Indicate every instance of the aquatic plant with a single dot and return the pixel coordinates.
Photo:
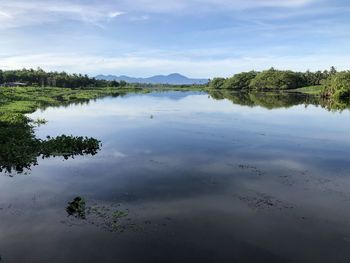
(105, 217)
(77, 207)
(20, 149)
(40, 122)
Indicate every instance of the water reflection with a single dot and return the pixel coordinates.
(205, 180)
(274, 100)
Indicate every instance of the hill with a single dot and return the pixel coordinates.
(172, 79)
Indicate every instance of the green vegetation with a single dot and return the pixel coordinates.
(273, 79)
(19, 148)
(338, 87)
(312, 90)
(329, 84)
(107, 217)
(273, 100)
(17, 101)
(276, 80)
(269, 100)
(119, 214)
(60, 87)
(68, 146)
(38, 77)
(217, 83)
(77, 208)
(240, 81)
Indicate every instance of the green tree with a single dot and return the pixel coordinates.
(338, 86)
(39, 78)
(217, 83)
(273, 79)
(240, 81)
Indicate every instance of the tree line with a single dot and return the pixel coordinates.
(38, 77)
(272, 79)
(335, 84)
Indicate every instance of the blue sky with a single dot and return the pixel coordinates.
(198, 38)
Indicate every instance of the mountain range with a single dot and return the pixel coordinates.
(172, 79)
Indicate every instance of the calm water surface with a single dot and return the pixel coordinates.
(198, 180)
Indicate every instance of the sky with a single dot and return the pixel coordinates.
(197, 38)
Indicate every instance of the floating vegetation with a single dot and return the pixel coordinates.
(251, 168)
(119, 214)
(77, 207)
(69, 146)
(39, 122)
(111, 218)
(20, 149)
(102, 216)
(108, 218)
(261, 201)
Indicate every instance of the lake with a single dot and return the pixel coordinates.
(186, 177)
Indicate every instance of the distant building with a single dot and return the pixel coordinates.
(13, 84)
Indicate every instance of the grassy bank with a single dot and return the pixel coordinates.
(16, 101)
(312, 90)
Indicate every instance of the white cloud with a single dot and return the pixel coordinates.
(194, 6)
(283, 3)
(24, 13)
(4, 15)
(115, 14)
(103, 55)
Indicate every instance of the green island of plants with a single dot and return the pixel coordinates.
(20, 149)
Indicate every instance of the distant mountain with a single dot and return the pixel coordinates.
(172, 79)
